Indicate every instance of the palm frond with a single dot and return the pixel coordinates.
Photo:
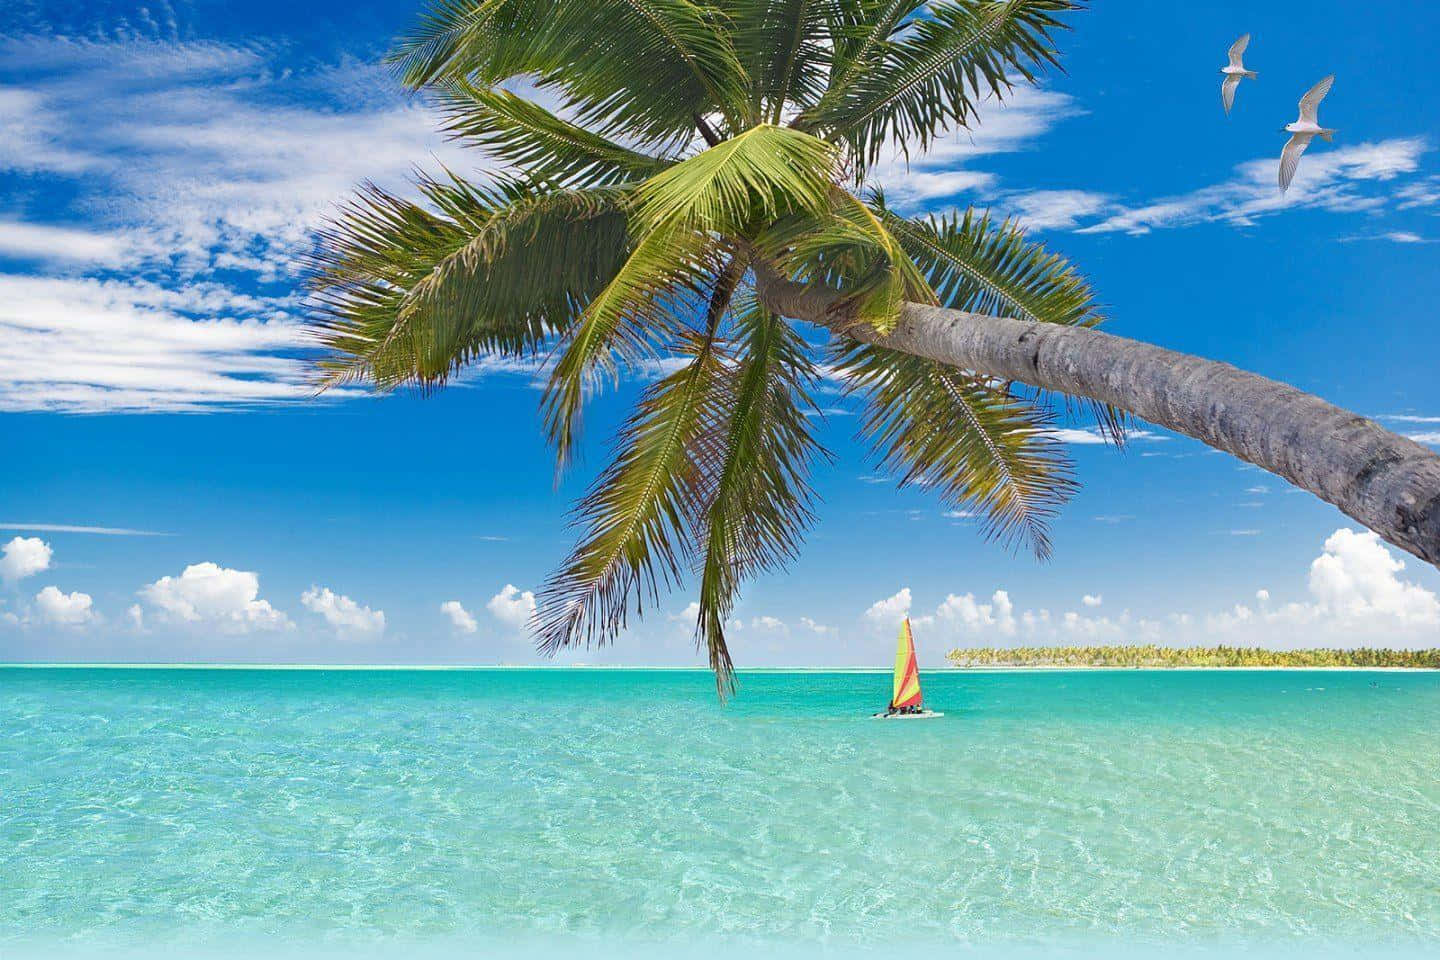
(637, 514)
(645, 67)
(979, 448)
(765, 172)
(661, 280)
(933, 75)
(786, 46)
(760, 501)
(980, 267)
(520, 132)
(861, 41)
(407, 293)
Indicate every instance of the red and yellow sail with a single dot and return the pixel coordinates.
(907, 671)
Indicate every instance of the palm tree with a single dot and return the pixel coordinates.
(688, 177)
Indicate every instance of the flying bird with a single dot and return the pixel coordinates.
(1234, 72)
(1304, 130)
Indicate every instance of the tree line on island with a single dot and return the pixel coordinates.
(1220, 656)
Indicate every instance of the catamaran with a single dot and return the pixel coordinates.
(906, 703)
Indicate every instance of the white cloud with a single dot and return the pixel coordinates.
(1335, 180)
(884, 613)
(965, 614)
(690, 614)
(202, 168)
(512, 606)
(85, 345)
(214, 597)
(460, 618)
(1055, 209)
(1432, 437)
(1026, 114)
(1092, 600)
(74, 528)
(349, 618)
(23, 557)
(33, 241)
(1355, 578)
(814, 627)
(64, 609)
(1422, 193)
(1089, 436)
(1355, 597)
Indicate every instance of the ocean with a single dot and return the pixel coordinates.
(499, 812)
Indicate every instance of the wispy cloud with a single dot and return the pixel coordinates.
(1056, 209)
(1339, 180)
(1091, 436)
(1392, 236)
(31, 241)
(78, 528)
(946, 170)
(202, 170)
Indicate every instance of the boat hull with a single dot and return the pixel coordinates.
(923, 715)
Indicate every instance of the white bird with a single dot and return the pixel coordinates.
(1304, 130)
(1234, 72)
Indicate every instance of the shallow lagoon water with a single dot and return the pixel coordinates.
(390, 811)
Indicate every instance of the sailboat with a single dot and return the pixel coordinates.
(907, 703)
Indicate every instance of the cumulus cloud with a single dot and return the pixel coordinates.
(884, 613)
(64, 609)
(1356, 596)
(24, 557)
(213, 597)
(512, 606)
(1092, 600)
(460, 618)
(345, 615)
(773, 624)
(690, 614)
(1356, 578)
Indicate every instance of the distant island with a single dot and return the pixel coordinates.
(1153, 656)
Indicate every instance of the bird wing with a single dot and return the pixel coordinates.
(1310, 103)
(1290, 157)
(1237, 50)
(1227, 90)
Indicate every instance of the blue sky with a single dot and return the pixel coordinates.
(160, 166)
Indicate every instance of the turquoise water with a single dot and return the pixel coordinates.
(625, 810)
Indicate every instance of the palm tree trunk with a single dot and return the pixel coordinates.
(1385, 481)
